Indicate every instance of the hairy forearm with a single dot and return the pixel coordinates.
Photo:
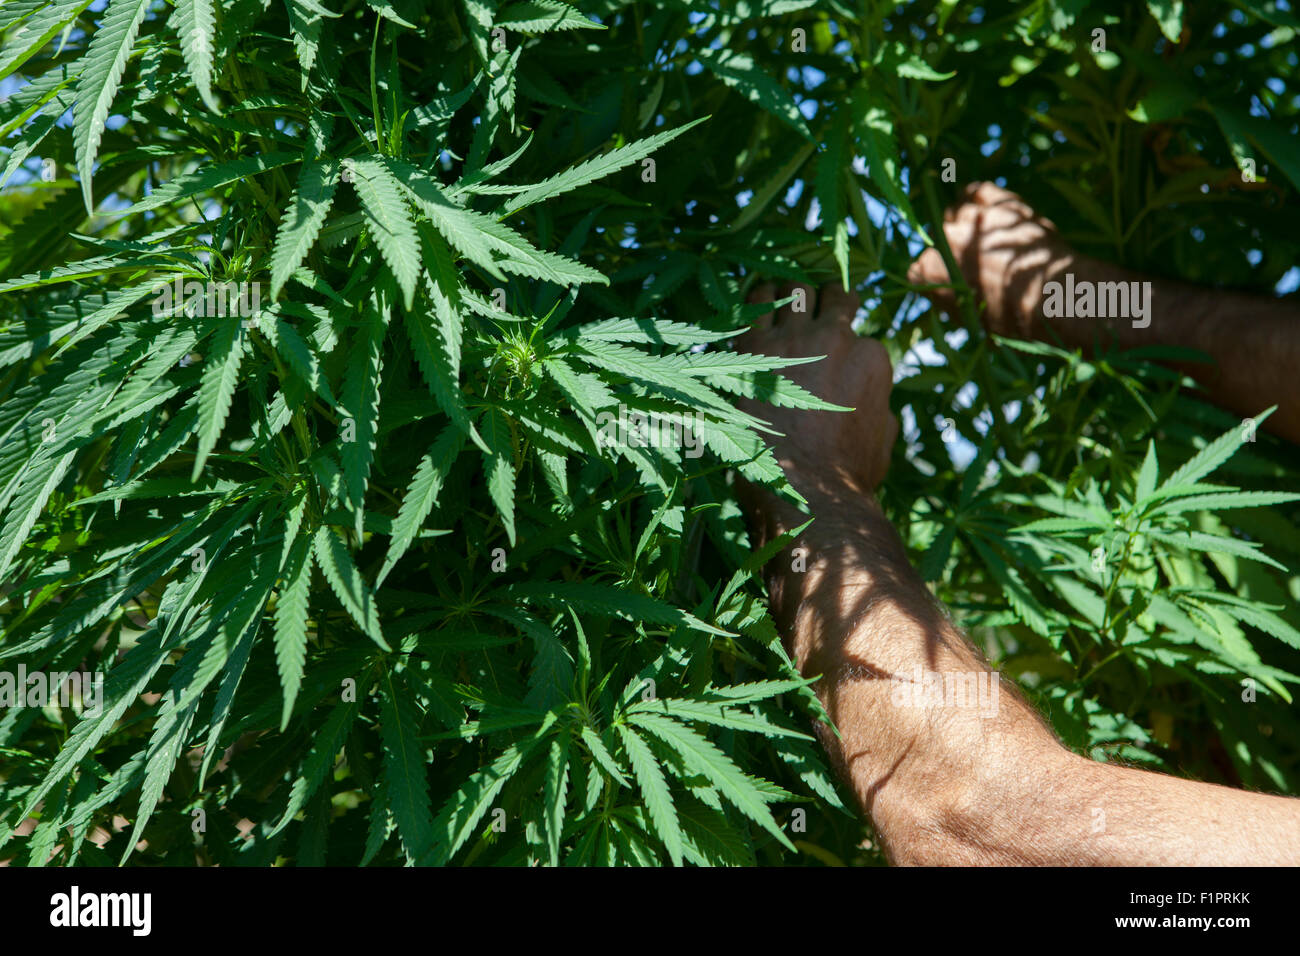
(859, 615)
(1253, 341)
(970, 773)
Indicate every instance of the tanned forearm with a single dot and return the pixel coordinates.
(974, 776)
(947, 782)
(1008, 256)
(1254, 341)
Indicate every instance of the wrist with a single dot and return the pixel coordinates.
(843, 581)
(1056, 306)
(830, 500)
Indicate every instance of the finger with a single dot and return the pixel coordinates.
(1046, 223)
(967, 214)
(928, 269)
(763, 292)
(991, 194)
(803, 307)
(837, 303)
(963, 240)
(957, 211)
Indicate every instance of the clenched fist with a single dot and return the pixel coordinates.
(824, 449)
(1006, 254)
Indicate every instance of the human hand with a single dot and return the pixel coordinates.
(825, 450)
(1006, 254)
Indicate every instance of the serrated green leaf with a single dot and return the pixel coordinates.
(1200, 541)
(195, 25)
(500, 468)
(1224, 500)
(658, 798)
(388, 221)
(25, 40)
(731, 715)
(600, 753)
(361, 390)
(217, 388)
(556, 795)
(110, 48)
(405, 778)
(455, 824)
(291, 612)
(345, 580)
(301, 223)
(325, 745)
(422, 494)
(704, 758)
(741, 73)
(605, 599)
(207, 178)
(597, 168)
(543, 16)
(1210, 457)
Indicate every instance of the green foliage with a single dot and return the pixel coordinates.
(365, 581)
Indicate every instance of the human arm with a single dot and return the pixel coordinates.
(1007, 255)
(945, 783)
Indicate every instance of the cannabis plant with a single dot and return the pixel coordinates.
(341, 339)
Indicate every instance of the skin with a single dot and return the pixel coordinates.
(942, 784)
(1007, 254)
